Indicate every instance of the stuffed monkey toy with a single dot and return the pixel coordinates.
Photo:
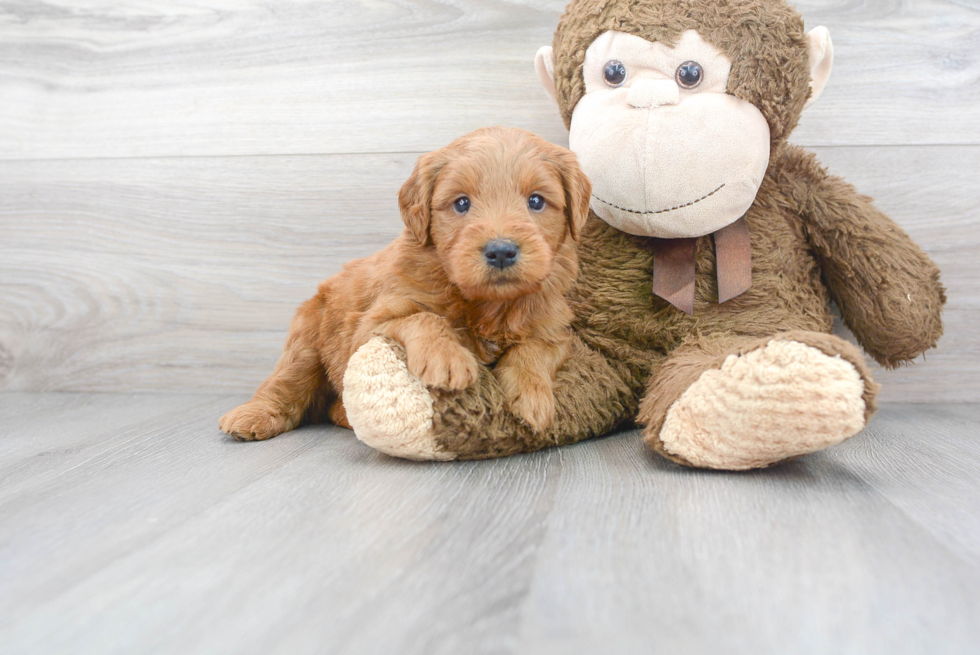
(711, 256)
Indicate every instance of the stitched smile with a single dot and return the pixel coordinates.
(659, 211)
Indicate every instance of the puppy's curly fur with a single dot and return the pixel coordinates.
(435, 291)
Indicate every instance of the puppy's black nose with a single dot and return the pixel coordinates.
(501, 253)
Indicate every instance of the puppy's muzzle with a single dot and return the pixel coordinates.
(501, 253)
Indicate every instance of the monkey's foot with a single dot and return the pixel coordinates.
(388, 407)
(778, 401)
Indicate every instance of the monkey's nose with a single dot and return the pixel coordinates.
(648, 94)
(501, 253)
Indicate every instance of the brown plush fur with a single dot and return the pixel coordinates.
(814, 239)
(433, 291)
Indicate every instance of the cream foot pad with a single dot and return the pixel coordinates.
(388, 407)
(779, 401)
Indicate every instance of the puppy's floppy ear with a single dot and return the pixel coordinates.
(578, 192)
(415, 197)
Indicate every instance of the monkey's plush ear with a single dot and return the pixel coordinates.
(415, 198)
(821, 61)
(544, 63)
(578, 194)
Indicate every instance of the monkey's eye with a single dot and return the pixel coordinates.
(535, 203)
(689, 74)
(614, 73)
(461, 205)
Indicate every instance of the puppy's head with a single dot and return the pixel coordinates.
(497, 205)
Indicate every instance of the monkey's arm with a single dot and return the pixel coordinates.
(887, 288)
(392, 412)
(590, 400)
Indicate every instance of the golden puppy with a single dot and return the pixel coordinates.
(478, 276)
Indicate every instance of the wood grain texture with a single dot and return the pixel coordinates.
(183, 274)
(156, 534)
(179, 78)
(157, 274)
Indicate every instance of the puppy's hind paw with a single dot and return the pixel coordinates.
(254, 421)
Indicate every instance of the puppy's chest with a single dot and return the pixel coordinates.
(489, 329)
(489, 345)
(488, 352)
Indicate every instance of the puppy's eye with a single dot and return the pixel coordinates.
(614, 73)
(535, 203)
(461, 205)
(689, 74)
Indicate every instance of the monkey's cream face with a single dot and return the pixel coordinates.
(669, 152)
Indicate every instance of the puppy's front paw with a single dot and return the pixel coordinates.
(254, 421)
(443, 364)
(536, 405)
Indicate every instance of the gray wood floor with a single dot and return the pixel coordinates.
(129, 524)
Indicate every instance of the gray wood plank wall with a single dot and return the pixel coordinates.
(175, 177)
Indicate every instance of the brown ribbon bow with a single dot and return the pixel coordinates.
(673, 266)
